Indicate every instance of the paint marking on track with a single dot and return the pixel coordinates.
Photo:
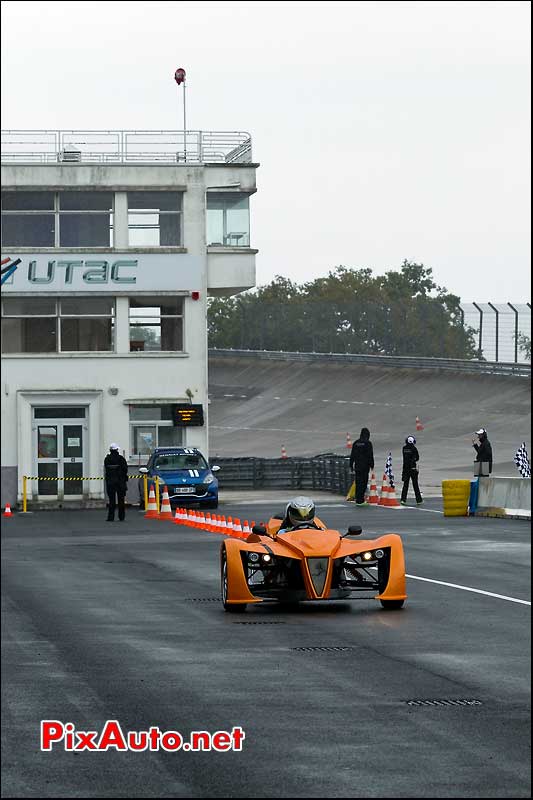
(469, 589)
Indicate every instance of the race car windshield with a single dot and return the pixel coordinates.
(175, 461)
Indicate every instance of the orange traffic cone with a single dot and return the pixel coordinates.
(390, 497)
(283, 452)
(373, 498)
(166, 510)
(419, 425)
(237, 528)
(151, 508)
(7, 511)
(348, 441)
(246, 529)
(222, 525)
(384, 491)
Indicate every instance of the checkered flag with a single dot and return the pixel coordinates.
(522, 461)
(388, 470)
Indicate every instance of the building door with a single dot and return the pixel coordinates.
(59, 437)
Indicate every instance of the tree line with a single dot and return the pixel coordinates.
(401, 313)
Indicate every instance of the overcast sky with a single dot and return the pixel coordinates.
(385, 130)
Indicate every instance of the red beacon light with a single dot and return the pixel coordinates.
(195, 295)
(179, 76)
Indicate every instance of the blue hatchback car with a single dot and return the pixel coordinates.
(186, 474)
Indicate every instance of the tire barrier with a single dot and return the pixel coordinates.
(327, 473)
(455, 497)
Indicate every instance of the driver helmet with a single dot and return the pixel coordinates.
(410, 440)
(300, 510)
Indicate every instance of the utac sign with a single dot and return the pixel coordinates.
(110, 272)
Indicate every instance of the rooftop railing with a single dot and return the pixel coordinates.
(126, 147)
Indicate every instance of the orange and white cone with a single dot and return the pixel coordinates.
(384, 491)
(166, 509)
(222, 525)
(246, 529)
(7, 511)
(177, 519)
(373, 498)
(418, 425)
(237, 528)
(283, 452)
(390, 497)
(348, 441)
(151, 508)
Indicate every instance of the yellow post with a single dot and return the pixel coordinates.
(24, 494)
(157, 494)
(145, 484)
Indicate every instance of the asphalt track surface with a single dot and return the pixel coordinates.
(123, 621)
(258, 406)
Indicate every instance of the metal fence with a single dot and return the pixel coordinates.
(328, 473)
(399, 362)
(126, 147)
(498, 329)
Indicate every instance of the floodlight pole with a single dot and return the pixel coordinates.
(184, 125)
(179, 77)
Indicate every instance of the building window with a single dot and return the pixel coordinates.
(28, 219)
(156, 323)
(57, 219)
(151, 427)
(154, 219)
(85, 219)
(50, 325)
(228, 219)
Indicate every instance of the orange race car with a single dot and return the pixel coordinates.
(291, 561)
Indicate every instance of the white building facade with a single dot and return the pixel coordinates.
(120, 238)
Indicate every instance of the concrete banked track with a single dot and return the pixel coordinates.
(258, 406)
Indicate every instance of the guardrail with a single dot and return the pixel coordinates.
(398, 362)
(321, 473)
(125, 147)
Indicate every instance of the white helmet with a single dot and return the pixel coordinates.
(300, 510)
(410, 440)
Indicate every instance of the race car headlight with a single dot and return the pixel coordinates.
(209, 479)
(253, 557)
(367, 556)
(379, 553)
(267, 558)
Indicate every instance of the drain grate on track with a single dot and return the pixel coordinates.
(323, 649)
(443, 702)
(202, 600)
(262, 622)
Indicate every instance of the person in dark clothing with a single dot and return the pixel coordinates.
(410, 470)
(116, 482)
(483, 448)
(361, 462)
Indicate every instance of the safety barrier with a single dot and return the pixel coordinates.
(328, 473)
(504, 497)
(400, 362)
(26, 478)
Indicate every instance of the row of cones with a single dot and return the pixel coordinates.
(216, 523)
(388, 493)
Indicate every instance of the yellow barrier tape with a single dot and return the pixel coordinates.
(100, 478)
